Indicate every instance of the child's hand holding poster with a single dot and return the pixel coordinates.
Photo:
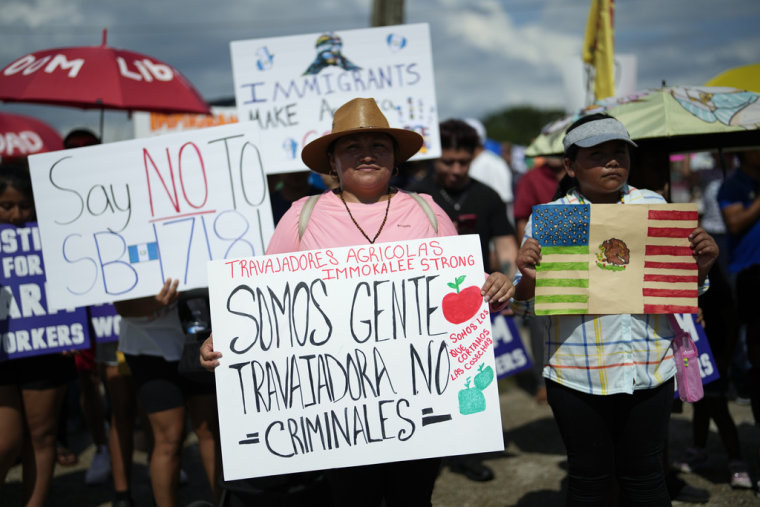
(606, 258)
(351, 356)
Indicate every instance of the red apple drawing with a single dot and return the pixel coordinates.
(461, 306)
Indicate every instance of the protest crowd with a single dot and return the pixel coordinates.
(149, 384)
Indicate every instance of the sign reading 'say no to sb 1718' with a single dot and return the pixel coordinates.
(116, 220)
(354, 355)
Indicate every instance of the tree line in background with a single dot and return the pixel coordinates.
(519, 124)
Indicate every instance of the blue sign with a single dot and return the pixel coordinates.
(511, 356)
(105, 322)
(26, 325)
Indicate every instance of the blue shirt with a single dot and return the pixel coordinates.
(743, 249)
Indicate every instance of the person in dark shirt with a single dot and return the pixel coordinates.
(288, 188)
(473, 206)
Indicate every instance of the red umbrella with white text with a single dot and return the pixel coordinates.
(21, 136)
(99, 77)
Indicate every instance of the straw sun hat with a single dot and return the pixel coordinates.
(359, 116)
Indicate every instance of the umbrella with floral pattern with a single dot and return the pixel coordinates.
(678, 118)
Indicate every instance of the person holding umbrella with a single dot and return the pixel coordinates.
(609, 378)
(362, 150)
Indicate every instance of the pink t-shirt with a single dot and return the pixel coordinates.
(330, 226)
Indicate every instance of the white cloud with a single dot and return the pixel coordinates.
(492, 29)
(37, 13)
(488, 54)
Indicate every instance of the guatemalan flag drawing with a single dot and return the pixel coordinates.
(143, 252)
(608, 258)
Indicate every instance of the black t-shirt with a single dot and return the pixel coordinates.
(475, 209)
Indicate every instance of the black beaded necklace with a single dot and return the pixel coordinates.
(385, 218)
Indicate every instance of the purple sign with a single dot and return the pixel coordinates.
(26, 325)
(511, 356)
(105, 322)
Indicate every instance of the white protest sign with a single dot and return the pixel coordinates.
(289, 87)
(353, 355)
(118, 219)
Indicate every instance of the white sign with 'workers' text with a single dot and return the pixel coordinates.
(352, 356)
(118, 219)
(290, 87)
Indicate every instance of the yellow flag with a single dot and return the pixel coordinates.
(598, 47)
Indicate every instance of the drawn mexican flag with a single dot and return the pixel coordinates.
(611, 258)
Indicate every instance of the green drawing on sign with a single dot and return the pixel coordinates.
(484, 378)
(471, 400)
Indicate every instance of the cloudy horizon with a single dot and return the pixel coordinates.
(488, 55)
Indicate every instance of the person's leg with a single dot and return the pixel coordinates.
(642, 419)
(93, 408)
(121, 435)
(41, 409)
(584, 424)
(694, 455)
(65, 456)
(11, 428)
(167, 426)
(748, 301)
(205, 420)
(159, 390)
(726, 426)
(700, 423)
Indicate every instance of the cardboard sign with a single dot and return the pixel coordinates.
(27, 324)
(607, 258)
(290, 87)
(354, 355)
(511, 356)
(118, 219)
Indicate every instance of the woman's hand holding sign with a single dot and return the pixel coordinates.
(209, 357)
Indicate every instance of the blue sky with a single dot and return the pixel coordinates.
(487, 54)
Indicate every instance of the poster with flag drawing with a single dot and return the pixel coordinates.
(607, 258)
(289, 87)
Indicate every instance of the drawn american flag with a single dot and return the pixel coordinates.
(670, 271)
(562, 230)
(577, 274)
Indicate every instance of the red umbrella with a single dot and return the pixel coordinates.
(99, 77)
(21, 136)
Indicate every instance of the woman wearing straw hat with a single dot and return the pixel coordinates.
(362, 151)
